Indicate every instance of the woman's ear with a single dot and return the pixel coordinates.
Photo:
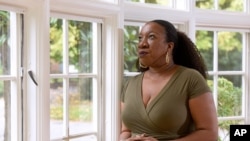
(171, 45)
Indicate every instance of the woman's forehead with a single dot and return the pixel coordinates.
(152, 27)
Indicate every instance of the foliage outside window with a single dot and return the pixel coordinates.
(4, 70)
(227, 5)
(178, 4)
(228, 48)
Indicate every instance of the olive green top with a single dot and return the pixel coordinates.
(167, 116)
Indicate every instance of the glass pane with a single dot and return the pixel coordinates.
(87, 138)
(56, 108)
(205, 4)
(131, 34)
(56, 46)
(231, 5)
(81, 106)
(229, 95)
(160, 2)
(80, 47)
(5, 58)
(204, 42)
(227, 5)
(224, 127)
(5, 114)
(230, 51)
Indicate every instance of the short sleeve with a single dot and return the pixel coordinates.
(197, 85)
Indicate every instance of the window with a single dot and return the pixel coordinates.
(224, 51)
(75, 79)
(176, 4)
(226, 5)
(75, 90)
(10, 77)
(85, 53)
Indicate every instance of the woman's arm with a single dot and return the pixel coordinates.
(204, 115)
(125, 132)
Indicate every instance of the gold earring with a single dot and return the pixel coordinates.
(167, 58)
(142, 66)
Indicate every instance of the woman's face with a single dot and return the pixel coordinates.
(152, 47)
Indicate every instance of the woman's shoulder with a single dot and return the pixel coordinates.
(190, 74)
(189, 71)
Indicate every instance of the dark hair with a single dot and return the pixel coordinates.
(185, 52)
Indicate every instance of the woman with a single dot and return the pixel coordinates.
(170, 99)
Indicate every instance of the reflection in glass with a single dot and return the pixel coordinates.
(230, 51)
(131, 34)
(81, 116)
(56, 108)
(80, 47)
(229, 95)
(204, 42)
(56, 46)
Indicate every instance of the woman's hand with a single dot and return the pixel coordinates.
(142, 137)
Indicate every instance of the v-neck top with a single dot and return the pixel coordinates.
(167, 116)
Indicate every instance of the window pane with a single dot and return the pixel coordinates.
(80, 47)
(231, 5)
(224, 127)
(205, 4)
(56, 46)
(74, 93)
(4, 44)
(81, 106)
(131, 34)
(227, 5)
(229, 95)
(204, 42)
(56, 108)
(177, 4)
(230, 51)
(5, 116)
(160, 2)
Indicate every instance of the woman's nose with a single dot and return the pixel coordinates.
(143, 43)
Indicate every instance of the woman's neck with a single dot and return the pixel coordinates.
(164, 70)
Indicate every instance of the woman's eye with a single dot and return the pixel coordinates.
(151, 36)
(139, 38)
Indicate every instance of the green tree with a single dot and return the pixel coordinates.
(80, 50)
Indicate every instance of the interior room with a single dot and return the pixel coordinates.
(63, 62)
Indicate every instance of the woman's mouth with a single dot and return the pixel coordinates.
(142, 53)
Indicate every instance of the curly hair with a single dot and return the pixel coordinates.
(185, 52)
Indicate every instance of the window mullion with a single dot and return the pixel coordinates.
(66, 79)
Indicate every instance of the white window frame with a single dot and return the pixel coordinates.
(96, 74)
(113, 13)
(15, 71)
